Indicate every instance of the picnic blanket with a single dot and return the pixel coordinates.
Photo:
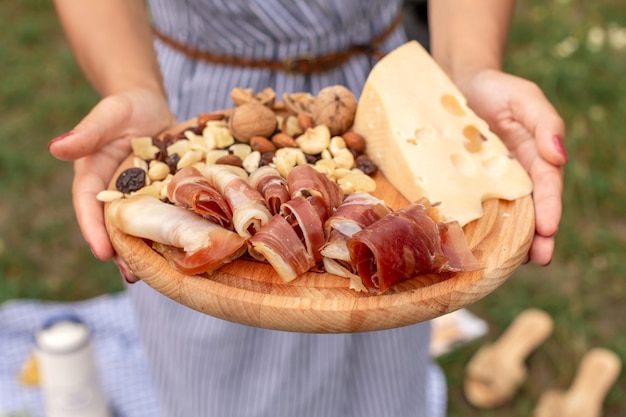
(119, 357)
(123, 370)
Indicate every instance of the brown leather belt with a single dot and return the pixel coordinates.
(302, 64)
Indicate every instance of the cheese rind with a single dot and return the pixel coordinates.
(428, 142)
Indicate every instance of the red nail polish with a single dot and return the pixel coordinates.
(59, 138)
(560, 147)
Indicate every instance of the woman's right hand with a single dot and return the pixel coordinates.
(97, 145)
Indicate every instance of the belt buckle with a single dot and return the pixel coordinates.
(299, 64)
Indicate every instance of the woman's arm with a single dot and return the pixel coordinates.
(112, 43)
(469, 35)
(468, 40)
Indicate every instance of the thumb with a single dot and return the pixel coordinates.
(107, 121)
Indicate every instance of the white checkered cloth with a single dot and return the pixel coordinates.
(119, 356)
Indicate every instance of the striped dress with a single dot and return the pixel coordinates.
(204, 366)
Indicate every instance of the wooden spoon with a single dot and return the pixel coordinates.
(596, 374)
(496, 371)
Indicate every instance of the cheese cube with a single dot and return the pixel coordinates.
(428, 142)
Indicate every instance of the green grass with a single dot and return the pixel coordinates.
(43, 255)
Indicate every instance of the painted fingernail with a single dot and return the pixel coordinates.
(128, 276)
(560, 147)
(59, 138)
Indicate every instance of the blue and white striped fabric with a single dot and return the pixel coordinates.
(264, 29)
(203, 366)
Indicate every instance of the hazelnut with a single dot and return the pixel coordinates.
(252, 119)
(335, 107)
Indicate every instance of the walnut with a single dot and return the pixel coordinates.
(296, 103)
(252, 119)
(240, 96)
(335, 107)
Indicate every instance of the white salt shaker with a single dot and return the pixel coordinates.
(69, 377)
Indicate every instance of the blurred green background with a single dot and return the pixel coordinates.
(575, 50)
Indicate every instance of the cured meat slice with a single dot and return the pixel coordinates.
(337, 261)
(281, 246)
(268, 181)
(357, 211)
(246, 203)
(190, 189)
(405, 244)
(192, 244)
(304, 180)
(307, 223)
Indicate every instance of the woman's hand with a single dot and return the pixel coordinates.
(97, 145)
(517, 111)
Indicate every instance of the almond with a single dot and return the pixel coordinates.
(203, 118)
(230, 159)
(261, 144)
(282, 140)
(305, 121)
(354, 141)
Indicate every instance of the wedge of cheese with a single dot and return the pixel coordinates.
(428, 142)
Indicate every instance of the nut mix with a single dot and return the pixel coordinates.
(303, 129)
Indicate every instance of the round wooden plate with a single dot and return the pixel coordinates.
(251, 293)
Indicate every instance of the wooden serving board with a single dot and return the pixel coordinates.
(251, 293)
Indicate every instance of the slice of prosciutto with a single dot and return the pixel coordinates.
(302, 214)
(192, 244)
(280, 245)
(190, 189)
(304, 181)
(246, 203)
(357, 211)
(405, 244)
(268, 181)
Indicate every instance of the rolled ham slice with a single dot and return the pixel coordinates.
(307, 222)
(189, 188)
(268, 181)
(192, 244)
(357, 211)
(405, 244)
(304, 181)
(246, 203)
(281, 246)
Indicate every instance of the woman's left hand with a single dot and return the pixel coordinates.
(520, 114)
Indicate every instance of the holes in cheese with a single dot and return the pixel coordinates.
(452, 105)
(463, 164)
(428, 142)
(474, 137)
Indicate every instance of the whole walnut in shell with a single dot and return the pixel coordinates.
(335, 107)
(252, 119)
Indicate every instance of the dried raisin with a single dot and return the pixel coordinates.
(366, 165)
(131, 179)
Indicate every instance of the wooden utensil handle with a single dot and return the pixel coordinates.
(526, 332)
(596, 374)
